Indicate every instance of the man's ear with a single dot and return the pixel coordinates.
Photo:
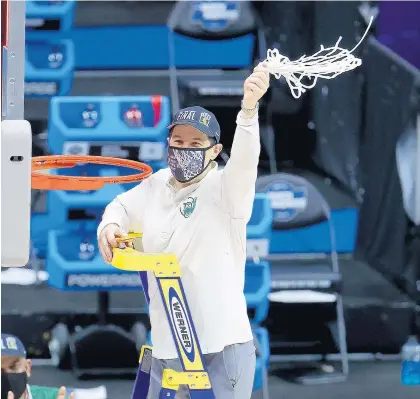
(217, 149)
(28, 367)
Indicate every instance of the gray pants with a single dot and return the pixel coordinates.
(231, 373)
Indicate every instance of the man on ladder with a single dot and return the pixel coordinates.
(200, 214)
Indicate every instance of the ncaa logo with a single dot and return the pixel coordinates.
(215, 16)
(55, 59)
(287, 201)
(75, 148)
(86, 251)
(90, 116)
(181, 324)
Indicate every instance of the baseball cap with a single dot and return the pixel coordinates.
(12, 346)
(200, 118)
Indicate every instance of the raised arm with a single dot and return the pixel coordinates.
(240, 174)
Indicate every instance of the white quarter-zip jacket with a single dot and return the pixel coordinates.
(204, 225)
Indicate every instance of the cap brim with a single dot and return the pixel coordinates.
(198, 126)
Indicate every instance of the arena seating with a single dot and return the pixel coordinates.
(45, 17)
(298, 205)
(138, 22)
(73, 264)
(230, 20)
(103, 125)
(311, 238)
(258, 284)
(262, 344)
(131, 127)
(99, 126)
(219, 89)
(49, 67)
(128, 126)
(259, 229)
(50, 57)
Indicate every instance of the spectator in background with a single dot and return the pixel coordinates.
(15, 371)
(407, 159)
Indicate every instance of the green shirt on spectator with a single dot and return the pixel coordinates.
(37, 392)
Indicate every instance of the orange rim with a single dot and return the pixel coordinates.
(43, 181)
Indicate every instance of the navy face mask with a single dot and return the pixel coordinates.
(14, 382)
(187, 163)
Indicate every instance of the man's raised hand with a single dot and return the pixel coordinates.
(256, 85)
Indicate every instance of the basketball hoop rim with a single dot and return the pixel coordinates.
(43, 181)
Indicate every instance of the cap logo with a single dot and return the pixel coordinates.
(186, 115)
(205, 118)
(9, 344)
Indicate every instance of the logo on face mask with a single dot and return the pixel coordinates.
(187, 207)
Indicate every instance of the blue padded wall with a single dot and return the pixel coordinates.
(77, 125)
(97, 126)
(73, 263)
(49, 67)
(44, 18)
(107, 47)
(289, 202)
(259, 231)
(49, 52)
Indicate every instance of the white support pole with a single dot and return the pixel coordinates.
(16, 144)
(14, 91)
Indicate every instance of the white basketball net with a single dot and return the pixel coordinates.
(327, 63)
